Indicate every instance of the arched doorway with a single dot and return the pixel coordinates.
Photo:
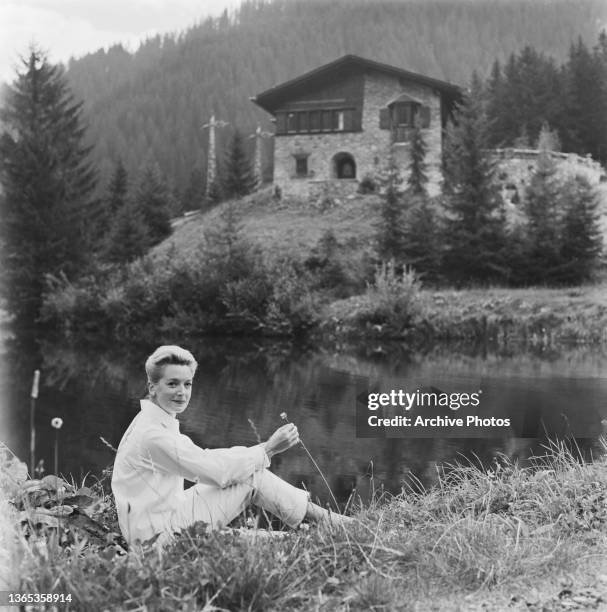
(344, 166)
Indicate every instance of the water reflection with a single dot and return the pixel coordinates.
(242, 387)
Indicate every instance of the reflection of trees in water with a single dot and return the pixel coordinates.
(97, 390)
(528, 359)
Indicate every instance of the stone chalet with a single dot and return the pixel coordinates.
(335, 125)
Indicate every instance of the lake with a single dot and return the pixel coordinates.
(532, 395)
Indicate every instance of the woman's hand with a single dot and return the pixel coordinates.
(281, 440)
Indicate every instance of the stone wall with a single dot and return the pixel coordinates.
(515, 167)
(381, 89)
(369, 148)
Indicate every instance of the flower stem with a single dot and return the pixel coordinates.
(285, 418)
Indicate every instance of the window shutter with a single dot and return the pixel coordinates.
(348, 120)
(424, 116)
(384, 118)
(281, 123)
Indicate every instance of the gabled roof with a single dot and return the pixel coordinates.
(270, 99)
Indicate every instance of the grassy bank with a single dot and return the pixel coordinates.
(265, 267)
(501, 539)
(534, 315)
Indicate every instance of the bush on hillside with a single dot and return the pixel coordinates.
(389, 306)
(293, 307)
(335, 271)
(393, 296)
(211, 292)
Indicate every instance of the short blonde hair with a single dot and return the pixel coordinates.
(168, 354)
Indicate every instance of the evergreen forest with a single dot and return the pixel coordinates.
(95, 161)
(147, 108)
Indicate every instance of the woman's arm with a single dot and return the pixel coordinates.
(177, 454)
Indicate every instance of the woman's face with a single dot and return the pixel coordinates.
(172, 392)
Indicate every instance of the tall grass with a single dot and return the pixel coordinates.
(478, 535)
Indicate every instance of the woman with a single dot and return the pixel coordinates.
(154, 458)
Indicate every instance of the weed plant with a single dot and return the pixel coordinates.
(479, 533)
(391, 304)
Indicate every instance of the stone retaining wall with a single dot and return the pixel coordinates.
(515, 167)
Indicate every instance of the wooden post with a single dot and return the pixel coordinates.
(33, 398)
(257, 165)
(212, 160)
(212, 155)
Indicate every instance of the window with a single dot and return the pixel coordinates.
(404, 114)
(301, 166)
(325, 120)
(403, 118)
(314, 121)
(292, 122)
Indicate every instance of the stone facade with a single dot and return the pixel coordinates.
(375, 150)
(354, 114)
(369, 148)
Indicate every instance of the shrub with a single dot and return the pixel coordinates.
(75, 308)
(292, 307)
(367, 185)
(334, 270)
(391, 303)
(226, 287)
(393, 296)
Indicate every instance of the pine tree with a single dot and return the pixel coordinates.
(581, 238)
(418, 179)
(238, 179)
(215, 194)
(542, 235)
(600, 53)
(527, 94)
(128, 238)
(475, 235)
(108, 207)
(227, 248)
(586, 94)
(193, 196)
(420, 237)
(47, 182)
(495, 96)
(391, 231)
(118, 188)
(152, 200)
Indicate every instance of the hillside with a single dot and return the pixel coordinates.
(283, 227)
(149, 107)
(537, 315)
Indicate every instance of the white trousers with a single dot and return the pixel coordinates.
(218, 507)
